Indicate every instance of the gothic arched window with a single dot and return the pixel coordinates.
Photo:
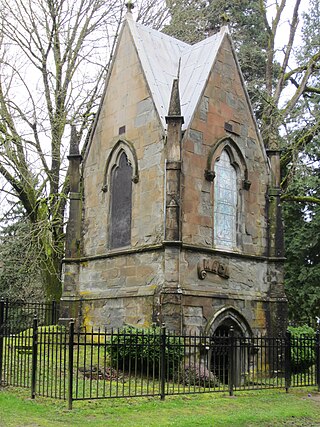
(225, 202)
(121, 202)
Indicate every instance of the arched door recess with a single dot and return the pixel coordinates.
(227, 317)
(219, 355)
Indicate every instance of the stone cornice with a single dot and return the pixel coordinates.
(213, 251)
(115, 253)
(183, 246)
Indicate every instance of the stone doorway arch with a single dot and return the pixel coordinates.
(226, 318)
(218, 328)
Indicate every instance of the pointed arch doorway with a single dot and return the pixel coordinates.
(219, 328)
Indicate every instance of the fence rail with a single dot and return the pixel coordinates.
(59, 362)
(18, 315)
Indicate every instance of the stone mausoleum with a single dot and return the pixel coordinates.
(175, 206)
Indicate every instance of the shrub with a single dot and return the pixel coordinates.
(140, 349)
(302, 348)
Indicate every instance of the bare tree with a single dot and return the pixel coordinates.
(152, 13)
(287, 84)
(54, 56)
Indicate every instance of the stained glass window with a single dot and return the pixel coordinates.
(121, 203)
(225, 202)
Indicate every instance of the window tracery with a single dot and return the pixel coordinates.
(227, 171)
(225, 202)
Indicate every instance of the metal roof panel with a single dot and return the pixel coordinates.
(160, 56)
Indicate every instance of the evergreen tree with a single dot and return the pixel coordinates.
(193, 21)
(302, 240)
(20, 277)
(301, 182)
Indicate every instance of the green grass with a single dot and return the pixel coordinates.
(256, 408)
(301, 407)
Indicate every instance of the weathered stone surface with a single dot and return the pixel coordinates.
(155, 276)
(145, 112)
(204, 107)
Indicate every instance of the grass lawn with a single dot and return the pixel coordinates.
(299, 408)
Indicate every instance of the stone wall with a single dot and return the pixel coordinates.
(123, 289)
(183, 280)
(137, 311)
(125, 274)
(126, 113)
(224, 102)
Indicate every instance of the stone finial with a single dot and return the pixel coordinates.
(129, 5)
(174, 106)
(74, 143)
(224, 19)
(273, 144)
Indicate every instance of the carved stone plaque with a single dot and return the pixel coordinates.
(212, 266)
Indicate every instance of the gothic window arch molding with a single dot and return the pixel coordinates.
(227, 169)
(128, 148)
(120, 173)
(228, 316)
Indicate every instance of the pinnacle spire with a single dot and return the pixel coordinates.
(74, 142)
(174, 105)
(129, 5)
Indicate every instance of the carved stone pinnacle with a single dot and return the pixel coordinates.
(129, 6)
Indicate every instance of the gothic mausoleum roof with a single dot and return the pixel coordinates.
(164, 58)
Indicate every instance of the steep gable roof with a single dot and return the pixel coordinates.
(196, 63)
(164, 58)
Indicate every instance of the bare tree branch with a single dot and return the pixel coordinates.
(55, 41)
(288, 50)
(303, 199)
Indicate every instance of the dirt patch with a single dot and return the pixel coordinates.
(313, 396)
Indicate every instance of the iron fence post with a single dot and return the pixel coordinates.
(53, 312)
(34, 356)
(318, 358)
(231, 362)
(1, 335)
(6, 310)
(162, 361)
(287, 361)
(70, 364)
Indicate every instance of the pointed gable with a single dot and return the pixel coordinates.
(159, 55)
(162, 57)
(196, 63)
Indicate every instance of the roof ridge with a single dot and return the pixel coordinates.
(157, 32)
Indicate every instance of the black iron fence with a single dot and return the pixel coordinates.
(18, 315)
(61, 362)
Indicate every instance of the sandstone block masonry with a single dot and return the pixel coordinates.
(177, 218)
